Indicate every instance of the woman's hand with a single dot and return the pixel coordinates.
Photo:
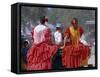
(62, 47)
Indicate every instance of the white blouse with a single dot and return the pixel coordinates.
(39, 33)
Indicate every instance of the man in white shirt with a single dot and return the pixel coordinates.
(57, 61)
(58, 35)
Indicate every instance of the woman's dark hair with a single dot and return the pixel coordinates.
(42, 20)
(76, 20)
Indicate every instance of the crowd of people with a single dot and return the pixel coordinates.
(67, 50)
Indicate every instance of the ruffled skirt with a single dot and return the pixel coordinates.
(39, 57)
(73, 57)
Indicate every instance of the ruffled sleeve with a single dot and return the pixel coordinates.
(48, 36)
(81, 31)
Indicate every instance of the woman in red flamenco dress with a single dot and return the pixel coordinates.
(75, 53)
(39, 56)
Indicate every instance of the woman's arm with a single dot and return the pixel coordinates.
(66, 36)
(64, 44)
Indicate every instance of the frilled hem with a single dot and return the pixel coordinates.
(39, 57)
(72, 57)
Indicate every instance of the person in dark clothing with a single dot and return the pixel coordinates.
(57, 60)
(24, 49)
